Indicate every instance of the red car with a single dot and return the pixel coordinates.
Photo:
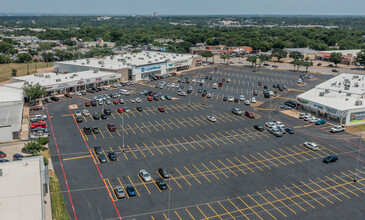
(115, 102)
(2, 154)
(68, 95)
(111, 127)
(223, 79)
(41, 124)
(87, 104)
(149, 98)
(161, 109)
(36, 108)
(120, 110)
(220, 84)
(249, 114)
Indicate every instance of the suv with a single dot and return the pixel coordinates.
(311, 145)
(236, 111)
(337, 128)
(107, 111)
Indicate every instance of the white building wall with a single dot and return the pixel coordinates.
(6, 133)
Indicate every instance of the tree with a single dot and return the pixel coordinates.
(48, 57)
(252, 60)
(336, 58)
(7, 48)
(278, 53)
(307, 63)
(35, 61)
(23, 57)
(43, 140)
(225, 57)
(360, 58)
(263, 58)
(4, 59)
(33, 147)
(13, 72)
(296, 55)
(207, 54)
(34, 91)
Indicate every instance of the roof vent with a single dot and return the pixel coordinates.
(321, 94)
(58, 80)
(358, 102)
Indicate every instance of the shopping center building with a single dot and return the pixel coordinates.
(341, 98)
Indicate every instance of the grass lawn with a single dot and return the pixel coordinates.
(355, 129)
(5, 69)
(58, 202)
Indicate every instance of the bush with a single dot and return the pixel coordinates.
(33, 147)
(43, 141)
(45, 161)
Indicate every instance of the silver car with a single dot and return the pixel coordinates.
(145, 175)
(119, 192)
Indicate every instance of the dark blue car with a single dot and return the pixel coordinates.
(330, 159)
(321, 122)
(131, 190)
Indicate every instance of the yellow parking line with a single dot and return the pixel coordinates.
(173, 123)
(201, 212)
(308, 194)
(172, 145)
(182, 176)
(233, 137)
(196, 142)
(132, 151)
(194, 121)
(285, 157)
(227, 167)
(144, 184)
(151, 110)
(123, 187)
(324, 189)
(192, 175)
(146, 127)
(298, 196)
(160, 126)
(211, 139)
(238, 209)
(140, 150)
(234, 165)
(148, 149)
(153, 126)
(249, 207)
(132, 113)
(257, 160)
(342, 185)
(165, 147)
(74, 158)
(178, 215)
(330, 186)
(157, 148)
(181, 144)
(189, 213)
(225, 137)
(167, 124)
(181, 123)
(278, 190)
(253, 133)
(138, 127)
(239, 135)
(316, 191)
(204, 141)
(281, 201)
(187, 122)
(201, 173)
(111, 192)
(121, 150)
(131, 129)
(246, 134)
(218, 138)
(266, 159)
(273, 157)
(218, 169)
(188, 143)
(133, 186)
(109, 132)
(254, 163)
(216, 214)
(209, 171)
(225, 209)
(107, 158)
(161, 178)
(261, 206)
(299, 154)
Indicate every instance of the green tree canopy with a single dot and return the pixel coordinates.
(360, 58)
(336, 58)
(7, 48)
(48, 57)
(33, 147)
(207, 54)
(23, 57)
(34, 91)
(296, 55)
(278, 53)
(252, 60)
(4, 59)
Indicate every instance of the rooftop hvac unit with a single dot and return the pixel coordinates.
(134, 55)
(346, 99)
(96, 70)
(47, 76)
(111, 57)
(58, 80)
(102, 65)
(348, 94)
(100, 62)
(71, 77)
(82, 63)
(321, 94)
(339, 91)
(326, 91)
(149, 61)
(87, 60)
(74, 61)
(358, 102)
(75, 74)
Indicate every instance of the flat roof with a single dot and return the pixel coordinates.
(340, 92)
(47, 79)
(11, 92)
(344, 52)
(21, 189)
(128, 60)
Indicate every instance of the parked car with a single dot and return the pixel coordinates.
(38, 118)
(139, 108)
(259, 127)
(36, 108)
(211, 118)
(37, 124)
(107, 111)
(98, 150)
(111, 127)
(161, 183)
(86, 112)
(87, 130)
(249, 114)
(68, 95)
(321, 122)
(337, 128)
(95, 129)
(120, 110)
(236, 111)
(119, 192)
(311, 145)
(145, 176)
(164, 172)
(289, 130)
(131, 190)
(78, 119)
(161, 109)
(102, 158)
(17, 157)
(112, 156)
(330, 159)
(2, 154)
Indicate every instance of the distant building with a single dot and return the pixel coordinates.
(220, 49)
(229, 23)
(154, 14)
(349, 56)
(305, 51)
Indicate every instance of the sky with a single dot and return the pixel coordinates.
(186, 7)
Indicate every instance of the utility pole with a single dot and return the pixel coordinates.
(358, 160)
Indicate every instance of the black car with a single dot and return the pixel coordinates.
(112, 156)
(155, 98)
(168, 97)
(210, 77)
(259, 127)
(18, 157)
(87, 130)
(98, 150)
(96, 116)
(236, 100)
(90, 90)
(93, 103)
(265, 87)
(107, 111)
(139, 108)
(330, 159)
(95, 130)
(204, 93)
(266, 94)
(225, 98)
(206, 77)
(4, 160)
(164, 173)
(161, 183)
(103, 116)
(289, 130)
(255, 93)
(200, 90)
(79, 119)
(56, 99)
(274, 86)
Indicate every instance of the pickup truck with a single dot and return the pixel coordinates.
(38, 135)
(38, 118)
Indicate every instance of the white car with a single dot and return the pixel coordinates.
(182, 93)
(38, 135)
(177, 85)
(78, 114)
(311, 145)
(302, 115)
(145, 175)
(138, 100)
(230, 99)
(194, 80)
(132, 100)
(242, 98)
(215, 86)
(312, 119)
(253, 100)
(211, 118)
(307, 117)
(124, 92)
(85, 112)
(78, 93)
(279, 124)
(337, 128)
(172, 84)
(247, 102)
(271, 93)
(38, 118)
(299, 81)
(270, 124)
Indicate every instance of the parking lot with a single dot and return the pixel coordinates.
(218, 170)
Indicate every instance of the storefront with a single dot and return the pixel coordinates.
(144, 72)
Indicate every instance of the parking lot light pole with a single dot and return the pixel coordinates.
(358, 160)
(123, 129)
